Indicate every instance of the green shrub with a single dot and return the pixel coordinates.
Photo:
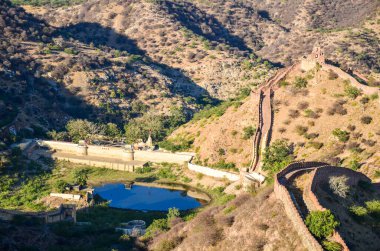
(181, 144)
(157, 226)
(300, 82)
(358, 211)
(221, 152)
(248, 132)
(354, 165)
(60, 186)
(373, 207)
(332, 246)
(277, 156)
(81, 176)
(301, 130)
(321, 223)
(70, 51)
(366, 120)
(315, 144)
(343, 136)
(144, 169)
(351, 91)
(166, 173)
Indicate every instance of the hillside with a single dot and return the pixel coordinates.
(304, 116)
(255, 223)
(279, 31)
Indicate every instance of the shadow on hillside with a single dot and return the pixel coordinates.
(203, 24)
(108, 38)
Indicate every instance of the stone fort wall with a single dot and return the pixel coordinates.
(291, 208)
(320, 174)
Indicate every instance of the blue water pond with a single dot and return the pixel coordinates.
(146, 198)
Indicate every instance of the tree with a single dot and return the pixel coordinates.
(338, 185)
(173, 213)
(278, 155)
(80, 129)
(81, 177)
(321, 223)
(112, 130)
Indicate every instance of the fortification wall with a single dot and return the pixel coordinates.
(368, 90)
(320, 173)
(292, 212)
(213, 172)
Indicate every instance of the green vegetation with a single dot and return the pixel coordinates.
(331, 245)
(277, 156)
(22, 183)
(373, 207)
(248, 132)
(358, 211)
(341, 135)
(161, 225)
(300, 82)
(351, 91)
(321, 223)
(177, 144)
(60, 186)
(81, 177)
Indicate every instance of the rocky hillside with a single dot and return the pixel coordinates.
(245, 223)
(326, 119)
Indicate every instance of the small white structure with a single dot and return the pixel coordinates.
(133, 228)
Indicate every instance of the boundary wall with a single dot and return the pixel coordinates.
(213, 172)
(368, 90)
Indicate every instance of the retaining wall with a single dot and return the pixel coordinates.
(49, 217)
(213, 172)
(66, 196)
(106, 163)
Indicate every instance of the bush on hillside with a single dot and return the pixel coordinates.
(331, 246)
(321, 223)
(338, 185)
(277, 156)
(373, 207)
(366, 120)
(248, 132)
(300, 82)
(351, 91)
(341, 135)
